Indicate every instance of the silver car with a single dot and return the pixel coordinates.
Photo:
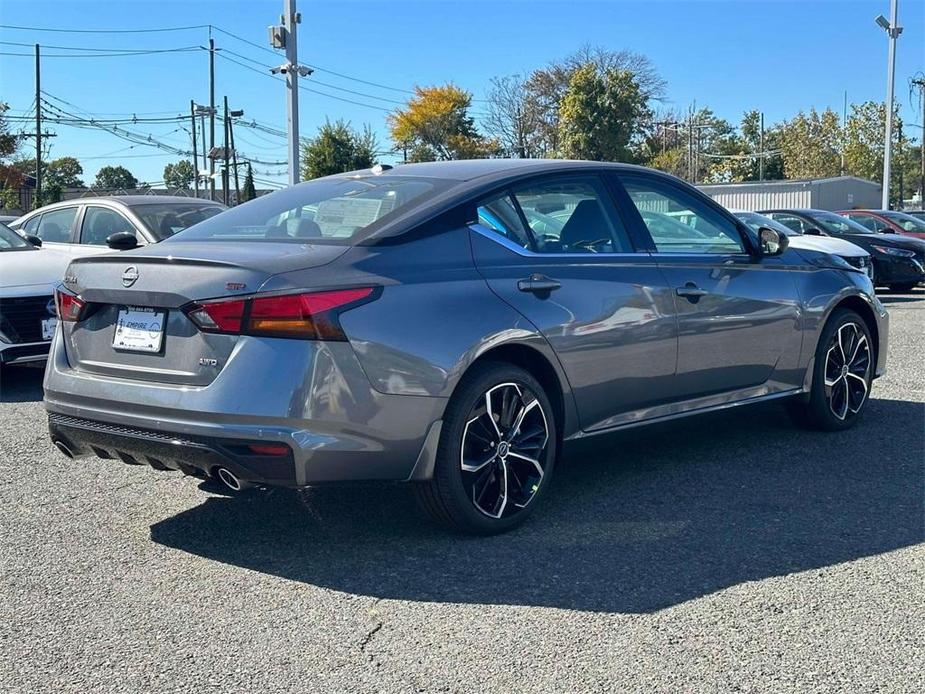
(451, 325)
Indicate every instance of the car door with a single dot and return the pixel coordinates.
(738, 313)
(56, 227)
(97, 224)
(555, 250)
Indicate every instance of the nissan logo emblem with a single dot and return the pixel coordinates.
(129, 276)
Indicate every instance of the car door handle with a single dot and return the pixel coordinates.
(538, 284)
(691, 292)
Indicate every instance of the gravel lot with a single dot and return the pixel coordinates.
(724, 553)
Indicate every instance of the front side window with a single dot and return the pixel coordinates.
(100, 223)
(678, 223)
(337, 211)
(55, 225)
(30, 226)
(572, 215)
(868, 222)
(833, 223)
(11, 241)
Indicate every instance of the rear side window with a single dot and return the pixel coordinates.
(572, 215)
(335, 211)
(100, 223)
(55, 225)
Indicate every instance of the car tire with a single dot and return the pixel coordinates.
(496, 453)
(842, 374)
(903, 287)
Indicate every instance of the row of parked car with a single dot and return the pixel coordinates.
(888, 245)
(36, 248)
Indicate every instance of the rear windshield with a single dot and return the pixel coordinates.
(165, 219)
(327, 211)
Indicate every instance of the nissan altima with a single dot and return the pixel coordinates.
(451, 325)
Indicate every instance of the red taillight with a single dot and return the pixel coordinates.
(219, 316)
(268, 448)
(310, 316)
(69, 306)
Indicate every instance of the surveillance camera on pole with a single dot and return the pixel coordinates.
(283, 36)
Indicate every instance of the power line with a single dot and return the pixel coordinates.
(104, 31)
(120, 54)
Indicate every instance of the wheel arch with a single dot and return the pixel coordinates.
(542, 367)
(866, 312)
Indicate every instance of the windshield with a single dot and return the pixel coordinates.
(836, 224)
(755, 221)
(11, 241)
(165, 219)
(327, 211)
(906, 221)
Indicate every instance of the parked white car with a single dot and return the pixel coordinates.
(853, 254)
(28, 277)
(82, 226)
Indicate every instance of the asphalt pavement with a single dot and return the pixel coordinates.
(730, 552)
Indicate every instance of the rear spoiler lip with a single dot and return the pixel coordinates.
(152, 260)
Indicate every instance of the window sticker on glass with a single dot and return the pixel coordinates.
(342, 216)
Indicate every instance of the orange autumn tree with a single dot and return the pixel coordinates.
(436, 125)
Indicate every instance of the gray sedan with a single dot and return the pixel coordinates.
(450, 325)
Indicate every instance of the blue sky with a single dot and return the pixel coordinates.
(772, 55)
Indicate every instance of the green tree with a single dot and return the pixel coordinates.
(115, 177)
(179, 174)
(248, 191)
(811, 145)
(64, 172)
(436, 125)
(338, 148)
(11, 178)
(601, 114)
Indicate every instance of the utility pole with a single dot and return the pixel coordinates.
(192, 118)
(761, 147)
(893, 30)
(37, 202)
(211, 115)
(285, 36)
(690, 146)
(901, 159)
(234, 162)
(844, 125)
(225, 178)
(919, 82)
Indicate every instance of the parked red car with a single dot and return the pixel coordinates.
(888, 222)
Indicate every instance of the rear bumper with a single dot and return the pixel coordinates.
(167, 451)
(311, 396)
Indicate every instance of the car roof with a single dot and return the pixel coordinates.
(470, 169)
(125, 201)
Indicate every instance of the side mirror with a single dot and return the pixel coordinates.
(34, 240)
(122, 241)
(772, 241)
(813, 231)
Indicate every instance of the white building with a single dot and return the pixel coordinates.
(838, 193)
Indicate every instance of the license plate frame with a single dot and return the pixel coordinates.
(139, 329)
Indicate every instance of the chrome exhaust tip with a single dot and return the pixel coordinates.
(64, 448)
(230, 480)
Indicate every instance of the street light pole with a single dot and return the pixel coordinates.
(284, 36)
(893, 30)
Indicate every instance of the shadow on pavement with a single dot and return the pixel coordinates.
(635, 523)
(21, 383)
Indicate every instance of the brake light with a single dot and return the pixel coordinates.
(69, 306)
(219, 316)
(308, 316)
